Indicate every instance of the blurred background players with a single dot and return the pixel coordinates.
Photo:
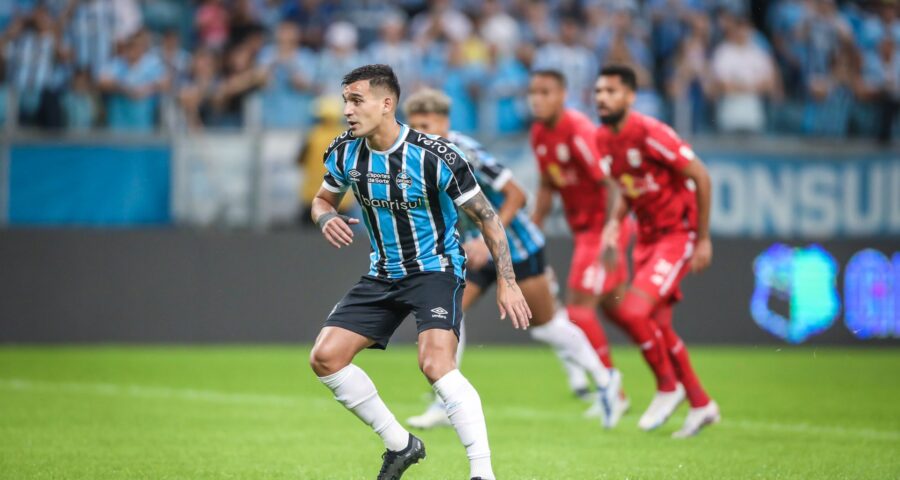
(668, 188)
(562, 140)
(429, 111)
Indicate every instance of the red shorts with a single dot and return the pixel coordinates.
(587, 274)
(660, 265)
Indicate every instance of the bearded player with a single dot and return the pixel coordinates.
(668, 188)
(563, 144)
(428, 111)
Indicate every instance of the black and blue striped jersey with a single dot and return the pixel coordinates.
(525, 238)
(409, 196)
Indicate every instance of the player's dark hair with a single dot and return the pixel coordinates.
(554, 74)
(624, 72)
(378, 75)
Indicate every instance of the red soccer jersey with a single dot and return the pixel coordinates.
(646, 158)
(567, 156)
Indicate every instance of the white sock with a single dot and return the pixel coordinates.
(464, 410)
(575, 375)
(355, 391)
(438, 403)
(570, 343)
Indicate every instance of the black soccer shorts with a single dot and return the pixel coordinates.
(375, 307)
(486, 276)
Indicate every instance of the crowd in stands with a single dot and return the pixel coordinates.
(810, 67)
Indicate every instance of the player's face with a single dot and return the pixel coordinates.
(364, 107)
(613, 98)
(430, 123)
(546, 97)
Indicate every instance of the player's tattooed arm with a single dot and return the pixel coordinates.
(482, 213)
(509, 297)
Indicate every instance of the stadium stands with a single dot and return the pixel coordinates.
(797, 67)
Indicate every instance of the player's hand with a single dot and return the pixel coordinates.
(702, 255)
(511, 302)
(477, 253)
(336, 229)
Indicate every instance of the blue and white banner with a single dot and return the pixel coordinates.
(804, 197)
(780, 195)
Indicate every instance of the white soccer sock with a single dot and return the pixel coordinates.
(355, 391)
(464, 410)
(575, 375)
(438, 403)
(570, 342)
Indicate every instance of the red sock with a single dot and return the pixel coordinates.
(680, 360)
(633, 314)
(587, 320)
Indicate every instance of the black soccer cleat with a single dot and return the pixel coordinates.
(395, 463)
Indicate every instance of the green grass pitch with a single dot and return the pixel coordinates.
(259, 413)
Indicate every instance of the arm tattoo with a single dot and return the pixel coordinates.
(480, 210)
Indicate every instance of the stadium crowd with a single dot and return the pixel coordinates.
(811, 67)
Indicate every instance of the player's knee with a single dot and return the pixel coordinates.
(611, 300)
(632, 309)
(435, 365)
(582, 300)
(326, 360)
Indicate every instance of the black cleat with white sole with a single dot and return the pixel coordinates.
(395, 463)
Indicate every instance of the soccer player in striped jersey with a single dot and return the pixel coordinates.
(429, 111)
(409, 185)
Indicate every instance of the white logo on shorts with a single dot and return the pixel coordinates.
(660, 271)
(439, 313)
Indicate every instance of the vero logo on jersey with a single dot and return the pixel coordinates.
(796, 295)
(437, 147)
(439, 313)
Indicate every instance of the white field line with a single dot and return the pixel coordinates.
(300, 400)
